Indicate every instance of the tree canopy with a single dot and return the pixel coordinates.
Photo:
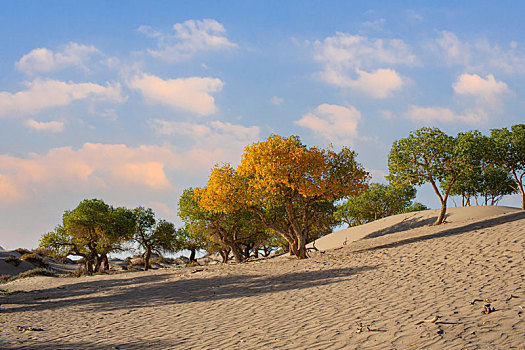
(287, 185)
(153, 236)
(377, 202)
(92, 230)
(509, 153)
(430, 155)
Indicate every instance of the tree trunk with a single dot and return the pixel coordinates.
(246, 252)
(192, 254)
(256, 253)
(237, 253)
(301, 246)
(104, 267)
(519, 183)
(224, 255)
(443, 211)
(147, 256)
(98, 262)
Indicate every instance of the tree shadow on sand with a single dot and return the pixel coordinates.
(406, 224)
(150, 291)
(453, 231)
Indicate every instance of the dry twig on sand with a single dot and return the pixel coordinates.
(432, 320)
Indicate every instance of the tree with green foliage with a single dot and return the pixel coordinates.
(152, 236)
(229, 230)
(509, 153)
(92, 230)
(377, 202)
(429, 155)
(286, 185)
(192, 240)
(490, 183)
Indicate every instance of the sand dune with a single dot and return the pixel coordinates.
(407, 221)
(370, 294)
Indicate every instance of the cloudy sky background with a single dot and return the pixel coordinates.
(134, 101)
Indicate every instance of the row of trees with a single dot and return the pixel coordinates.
(285, 194)
(469, 165)
(94, 229)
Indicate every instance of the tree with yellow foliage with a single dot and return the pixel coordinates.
(290, 187)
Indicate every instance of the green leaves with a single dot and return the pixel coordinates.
(377, 202)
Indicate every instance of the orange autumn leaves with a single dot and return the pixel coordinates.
(287, 185)
(282, 167)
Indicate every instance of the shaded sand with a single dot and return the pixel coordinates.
(388, 284)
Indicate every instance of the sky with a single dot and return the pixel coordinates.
(134, 101)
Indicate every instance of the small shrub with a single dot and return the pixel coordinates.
(23, 251)
(156, 260)
(34, 272)
(13, 260)
(136, 262)
(34, 259)
(98, 273)
(42, 252)
(5, 278)
(193, 263)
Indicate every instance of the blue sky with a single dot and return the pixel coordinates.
(134, 101)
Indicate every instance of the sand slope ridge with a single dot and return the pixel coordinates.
(423, 288)
(407, 221)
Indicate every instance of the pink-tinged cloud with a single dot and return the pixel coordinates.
(44, 94)
(9, 192)
(488, 91)
(336, 124)
(150, 173)
(52, 126)
(189, 94)
(94, 166)
(441, 114)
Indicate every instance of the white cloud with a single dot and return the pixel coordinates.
(345, 58)
(216, 132)
(43, 60)
(211, 142)
(378, 84)
(276, 100)
(357, 51)
(478, 55)
(189, 94)
(488, 91)
(334, 123)
(52, 126)
(43, 94)
(441, 114)
(190, 37)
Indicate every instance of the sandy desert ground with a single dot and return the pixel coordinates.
(373, 293)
